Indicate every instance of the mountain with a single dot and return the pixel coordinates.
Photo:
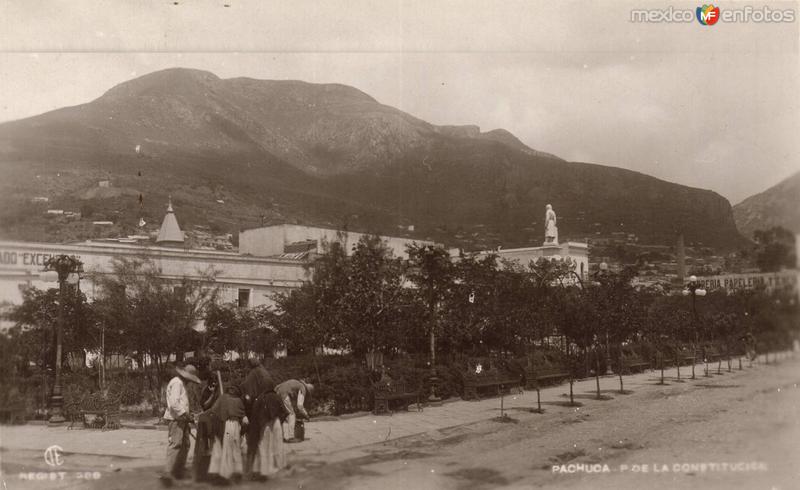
(777, 206)
(235, 153)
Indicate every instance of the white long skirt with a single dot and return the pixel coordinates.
(226, 454)
(270, 456)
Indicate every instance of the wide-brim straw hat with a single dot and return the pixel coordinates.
(189, 372)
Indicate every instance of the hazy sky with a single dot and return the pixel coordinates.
(716, 107)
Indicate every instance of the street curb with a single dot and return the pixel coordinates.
(144, 426)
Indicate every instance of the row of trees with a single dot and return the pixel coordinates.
(477, 305)
(369, 301)
(138, 313)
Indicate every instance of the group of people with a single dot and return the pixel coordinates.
(241, 429)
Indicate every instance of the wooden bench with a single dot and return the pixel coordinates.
(111, 418)
(634, 364)
(713, 355)
(495, 383)
(96, 406)
(387, 392)
(541, 376)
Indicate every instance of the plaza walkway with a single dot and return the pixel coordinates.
(23, 446)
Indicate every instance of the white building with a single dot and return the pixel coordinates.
(271, 260)
(278, 240)
(578, 252)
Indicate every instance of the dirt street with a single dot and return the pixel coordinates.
(732, 430)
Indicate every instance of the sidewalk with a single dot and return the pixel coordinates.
(135, 447)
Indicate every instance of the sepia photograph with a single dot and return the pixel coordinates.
(399, 244)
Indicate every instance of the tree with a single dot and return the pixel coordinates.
(351, 302)
(621, 310)
(310, 317)
(36, 319)
(662, 330)
(231, 328)
(577, 322)
(558, 303)
(151, 317)
(469, 306)
(370, 303)
(432, 273)
(774, 249)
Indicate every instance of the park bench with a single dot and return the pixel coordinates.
(389, 391)
(111, 417)
(493, 383)
(634, 364)
(545, 375)
(94, 406)
(713, 355)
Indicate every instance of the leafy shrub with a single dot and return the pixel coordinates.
(129, 389)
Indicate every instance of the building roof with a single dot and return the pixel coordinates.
(170, 232)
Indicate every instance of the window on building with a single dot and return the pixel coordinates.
(581, 270)
(244, 298)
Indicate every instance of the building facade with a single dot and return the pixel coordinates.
(271, 260)
(295, 239)
(578, 252)
(248, 281)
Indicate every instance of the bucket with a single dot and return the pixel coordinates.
(299, 430)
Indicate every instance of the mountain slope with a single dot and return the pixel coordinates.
(777, 206)
(241, 152)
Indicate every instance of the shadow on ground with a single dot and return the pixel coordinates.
(479, 478)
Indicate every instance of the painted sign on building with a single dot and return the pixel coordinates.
(767, 280)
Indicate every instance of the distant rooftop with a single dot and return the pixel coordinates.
(170, 232)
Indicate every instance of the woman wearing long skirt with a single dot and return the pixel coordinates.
(266, 451)
(270, 456)
(226, 453)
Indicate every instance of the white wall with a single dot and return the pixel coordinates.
(271, 240)
(22, 262)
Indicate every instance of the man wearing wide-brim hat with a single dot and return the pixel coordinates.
(179, 418)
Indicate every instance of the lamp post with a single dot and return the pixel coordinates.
(67, 271)
(693, 288)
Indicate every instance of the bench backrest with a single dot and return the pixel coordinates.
(394, 386)
(547, 371)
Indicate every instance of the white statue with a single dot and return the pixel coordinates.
(550, 228)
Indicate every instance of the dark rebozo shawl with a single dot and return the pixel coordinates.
(257, 382)
(266, 408)
(225, 408)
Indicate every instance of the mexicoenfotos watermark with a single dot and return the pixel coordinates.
(708, 467)
(708, 15)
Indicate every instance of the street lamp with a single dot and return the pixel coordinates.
(67, 270)
(693, 288)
